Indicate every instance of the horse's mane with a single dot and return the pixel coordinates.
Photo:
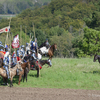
(42, 60)
(53, 45)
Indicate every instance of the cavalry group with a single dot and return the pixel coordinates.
(28, 53)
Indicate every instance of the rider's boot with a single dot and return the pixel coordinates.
(34, 56)
(8, 75)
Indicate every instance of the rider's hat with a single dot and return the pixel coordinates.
(22, 46)
(35, 39)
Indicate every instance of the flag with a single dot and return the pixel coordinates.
(5, 29)
(15, 42)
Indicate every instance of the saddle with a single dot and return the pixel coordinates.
(33, 66)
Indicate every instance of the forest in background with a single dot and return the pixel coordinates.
(73, 25)
(17, 6)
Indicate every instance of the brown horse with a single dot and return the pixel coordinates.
(51, 51)
(1, 62)
(13, 72)
(1, 58)
(25, 69)
(4, 75)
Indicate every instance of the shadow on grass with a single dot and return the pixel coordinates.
(92, 72)
(35, 75)
(15, 80)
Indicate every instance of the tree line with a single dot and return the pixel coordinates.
(17, 6)
(73, 25)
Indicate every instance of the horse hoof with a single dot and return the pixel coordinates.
(7, 84)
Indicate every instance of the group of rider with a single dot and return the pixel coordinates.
(33, 46)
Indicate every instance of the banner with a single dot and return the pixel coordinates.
(5, 29)
(15, 43)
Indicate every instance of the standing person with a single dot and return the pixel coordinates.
(34, 47)
(6, 62)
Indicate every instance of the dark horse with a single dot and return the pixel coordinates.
(96, 57)
(51, 51)
(37, 65)
(34, 65)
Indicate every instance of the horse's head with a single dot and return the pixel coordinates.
(49, 62)
(55, 46)
(95, 57)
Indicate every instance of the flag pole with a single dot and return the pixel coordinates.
(37, 47)
(25, 40)
(9, 51)
(20, 34)
(34, 30)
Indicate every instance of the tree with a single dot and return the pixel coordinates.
(89, 44)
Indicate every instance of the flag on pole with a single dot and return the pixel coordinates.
(5, 29)
(15, 42)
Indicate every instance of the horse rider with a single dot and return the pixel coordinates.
(6, 62)
(27, 48)
(14, 58)
(18, 54)
(47, 44)
(8, 47)
(34, 47)
(22, 50)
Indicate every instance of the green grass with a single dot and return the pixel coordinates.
(66, 73)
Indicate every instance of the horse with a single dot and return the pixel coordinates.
(1, 58)
(34, 65)
(96, 57)
(1, 62)
(25, 69)
(4, 75)
(13, 72)
(51, 51)
(43, 48)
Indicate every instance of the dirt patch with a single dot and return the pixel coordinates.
(16, 93)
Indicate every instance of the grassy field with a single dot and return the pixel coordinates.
(65, 73)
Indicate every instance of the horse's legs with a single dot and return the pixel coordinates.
(11, 82)
(38, 71)
(19, 79)
(23, 77)
(5, 81)
(26, 76)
